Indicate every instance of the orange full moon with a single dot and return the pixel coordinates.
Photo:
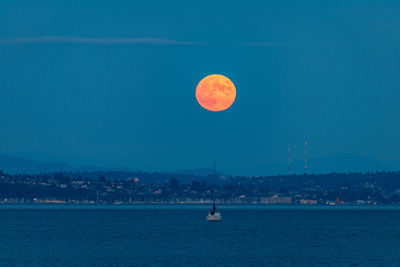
(215, 92)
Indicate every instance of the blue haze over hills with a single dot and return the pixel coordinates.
(334, 163)
(113, 84)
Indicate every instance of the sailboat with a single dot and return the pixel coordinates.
(213, 215)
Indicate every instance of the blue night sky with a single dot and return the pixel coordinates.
(113, 83)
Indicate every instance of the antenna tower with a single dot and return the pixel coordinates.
(295, 159)
(289, 160)
(305, 157)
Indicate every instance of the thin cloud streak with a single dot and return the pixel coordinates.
(95, 41)
(116, 41)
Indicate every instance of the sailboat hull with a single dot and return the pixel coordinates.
(216, 217)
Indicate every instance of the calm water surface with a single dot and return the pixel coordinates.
(148, 235)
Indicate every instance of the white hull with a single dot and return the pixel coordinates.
(216, 217)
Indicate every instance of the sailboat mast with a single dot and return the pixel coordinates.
(215, 185)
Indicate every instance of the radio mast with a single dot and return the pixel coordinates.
(289, 160)
(305, 157)
(295, 159)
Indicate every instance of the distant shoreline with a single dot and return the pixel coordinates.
(199, 205)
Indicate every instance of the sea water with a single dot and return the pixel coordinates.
(176, 235)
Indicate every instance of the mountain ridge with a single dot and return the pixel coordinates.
(324, 164)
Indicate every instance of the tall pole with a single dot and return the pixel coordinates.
(295, 159)
(306, 157)
(289, 160)
(215, 185)
(97, 191)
